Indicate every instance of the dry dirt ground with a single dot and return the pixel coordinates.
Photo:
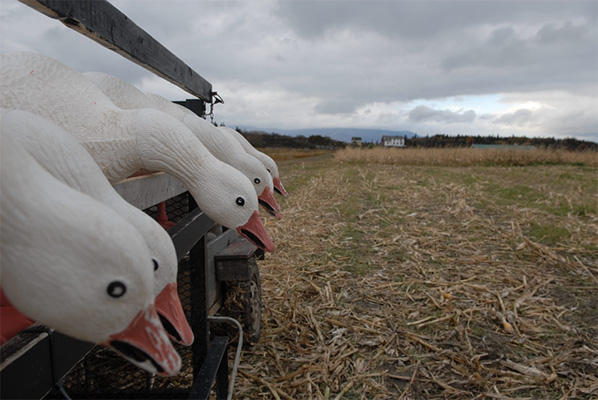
(415, 282)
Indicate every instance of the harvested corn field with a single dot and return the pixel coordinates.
(429, 282)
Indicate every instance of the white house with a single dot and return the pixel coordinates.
(393, 141)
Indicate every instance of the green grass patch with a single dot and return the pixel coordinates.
(518, 194)
(359, 269)
(580, 210)
(548, 234)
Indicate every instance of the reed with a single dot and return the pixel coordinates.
(285, 154)
(467, 156)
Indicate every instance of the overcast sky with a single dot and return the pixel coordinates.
(469, 67)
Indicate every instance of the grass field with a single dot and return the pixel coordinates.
(430, 281)
(283, 154)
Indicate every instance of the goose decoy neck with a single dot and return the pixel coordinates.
(165, 144)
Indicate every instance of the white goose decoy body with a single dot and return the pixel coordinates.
(125, 141)
(268, 162)
(61, 155)
(128, 97)
(71, 263)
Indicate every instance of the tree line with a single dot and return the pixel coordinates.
(467, 141)
(263, 139)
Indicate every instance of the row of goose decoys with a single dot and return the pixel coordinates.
(75, 255)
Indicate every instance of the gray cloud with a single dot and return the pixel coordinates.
(519, 117)
(568, 32)
(556, 50)
(426, 114)
(337, 106)
(331, 59)
(425, 19)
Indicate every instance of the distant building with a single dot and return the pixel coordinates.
(355, 141)
(393, 141)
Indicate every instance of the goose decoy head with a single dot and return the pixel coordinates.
(262, 182)
(267, 200)
(167, 301)
(255, 232)
(145, 344)
(172, 316)
(60, 154)
(73, 264)
(265, 159)
(233, 203)
(279, 187)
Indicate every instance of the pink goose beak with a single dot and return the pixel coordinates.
(255, 231)
(145, 343)
(266, 200)
(279, 188)
(172, 315)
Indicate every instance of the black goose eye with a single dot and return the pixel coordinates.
(240, 201)
(116, 289)
(268, 170)
(155, 264)
(257, 181)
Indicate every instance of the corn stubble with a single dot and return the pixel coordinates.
(383, 287)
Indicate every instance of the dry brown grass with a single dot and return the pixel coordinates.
(285, 154)
(429, 283)
(467, 156)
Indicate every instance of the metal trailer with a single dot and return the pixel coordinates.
(217, 272)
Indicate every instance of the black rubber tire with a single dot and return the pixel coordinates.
(243, 302)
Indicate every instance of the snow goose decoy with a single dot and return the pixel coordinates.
(71, 263)
(268, 162)
(61, 155)
(124, 141)
(128, 97)
(225, 148)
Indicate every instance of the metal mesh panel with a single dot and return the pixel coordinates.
(176, 208)
(104, 374)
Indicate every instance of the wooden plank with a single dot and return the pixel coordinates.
(21, 344)
(239, 249)
(148, 190)
(232, 263)
(102, 22)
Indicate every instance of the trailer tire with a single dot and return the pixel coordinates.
(243, 302)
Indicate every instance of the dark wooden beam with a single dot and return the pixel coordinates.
(188, 231)
(101, 21)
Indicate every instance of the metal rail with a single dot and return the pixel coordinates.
(102, 22)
